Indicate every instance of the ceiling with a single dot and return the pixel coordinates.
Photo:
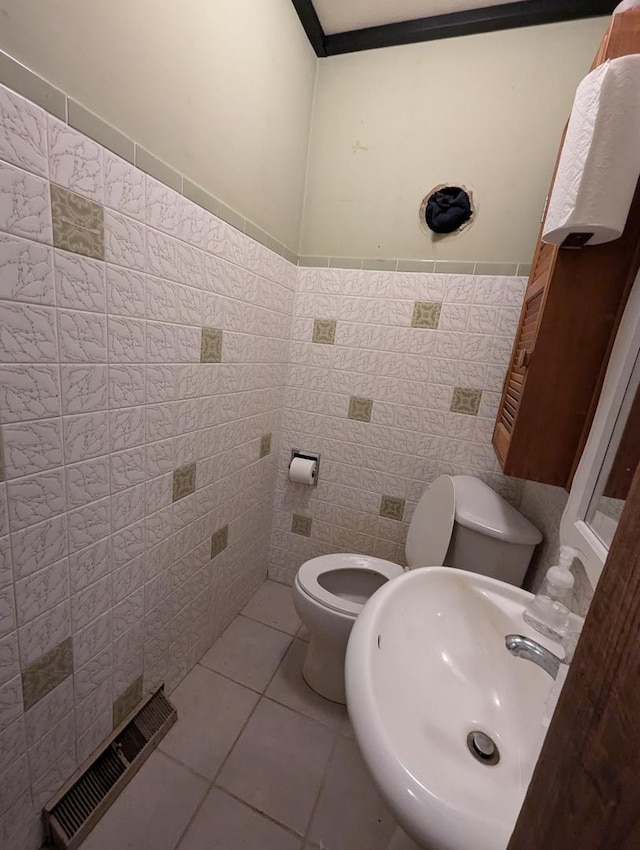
(342, 15)
(344, 26)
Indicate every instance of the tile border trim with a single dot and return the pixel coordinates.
(35, 88)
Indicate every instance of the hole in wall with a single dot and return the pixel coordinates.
(447, 210)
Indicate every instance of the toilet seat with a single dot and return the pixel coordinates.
(310, 572)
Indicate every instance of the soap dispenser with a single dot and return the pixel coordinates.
(549, 611)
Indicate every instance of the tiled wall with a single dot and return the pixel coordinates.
(144, 346)
(544, 506)
(394, 378)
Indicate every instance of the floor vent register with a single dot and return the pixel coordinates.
(73, 812)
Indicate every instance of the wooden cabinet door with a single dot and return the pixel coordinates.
(571, 310)
(525, 341)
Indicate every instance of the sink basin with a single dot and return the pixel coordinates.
(427, 665)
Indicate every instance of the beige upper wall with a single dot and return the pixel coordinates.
(483, 110)
(221, 90)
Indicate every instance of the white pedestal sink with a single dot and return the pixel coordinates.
(426, 665)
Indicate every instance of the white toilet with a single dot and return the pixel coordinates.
(459, 522)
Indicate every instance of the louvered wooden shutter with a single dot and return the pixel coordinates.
(523, 349)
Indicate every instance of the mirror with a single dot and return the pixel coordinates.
(611, 453)
(619, 464)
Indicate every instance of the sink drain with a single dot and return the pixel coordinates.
(483, 748)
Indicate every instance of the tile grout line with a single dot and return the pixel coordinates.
(261, 696)
(235, 741)
(325, 773)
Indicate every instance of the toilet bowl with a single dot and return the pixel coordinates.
(458, 522)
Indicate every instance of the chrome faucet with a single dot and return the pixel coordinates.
(531, 650)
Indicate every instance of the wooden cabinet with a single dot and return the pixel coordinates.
(572, 307)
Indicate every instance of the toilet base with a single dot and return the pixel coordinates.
(323, 669)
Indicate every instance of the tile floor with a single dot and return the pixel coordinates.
(256, 761)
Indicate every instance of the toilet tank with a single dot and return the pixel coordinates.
(489, 536)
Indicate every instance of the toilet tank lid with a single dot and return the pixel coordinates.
(480, 508)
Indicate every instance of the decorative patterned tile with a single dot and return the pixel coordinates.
(184, 481)
(324, 331)
(360, 409)
(127, 701)
(301, 525)
(219, 541)
(392, 508)
(426, 314)
(47, 673)
(78, 223)
(211, 346)
(265, 445)
(466, 400)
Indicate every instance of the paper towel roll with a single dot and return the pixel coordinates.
(302, 470)
(600, 160)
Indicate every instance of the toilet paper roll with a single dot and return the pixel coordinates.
(600, 160)
(302, 470)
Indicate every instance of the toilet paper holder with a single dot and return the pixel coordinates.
(307, 456)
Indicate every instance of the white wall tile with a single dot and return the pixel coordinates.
(38, 546)
(42, 592)
(88, 709)
(27, 333)
(126, 340)
(123, 187)
(84, 388)
(85, 435)
(29, 392)
(52, 747)
(87, 481)
(7, 611)
(75, 161)
(127, 427)
(89, 524)
(32, 446)
(89, 565)
(124, 241)
(90, 603)
(89, 677)
(126, 292)
(35, 498)
(128, 468)
(10, 700)
(25, 207)
(14, 781)
(127, 506)
(49, 711)
(23, 133)
(162, 257)
(162, 297)
(126, 385)
(27, 270)
(44, 633)
(82, 337)
(80, 282)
